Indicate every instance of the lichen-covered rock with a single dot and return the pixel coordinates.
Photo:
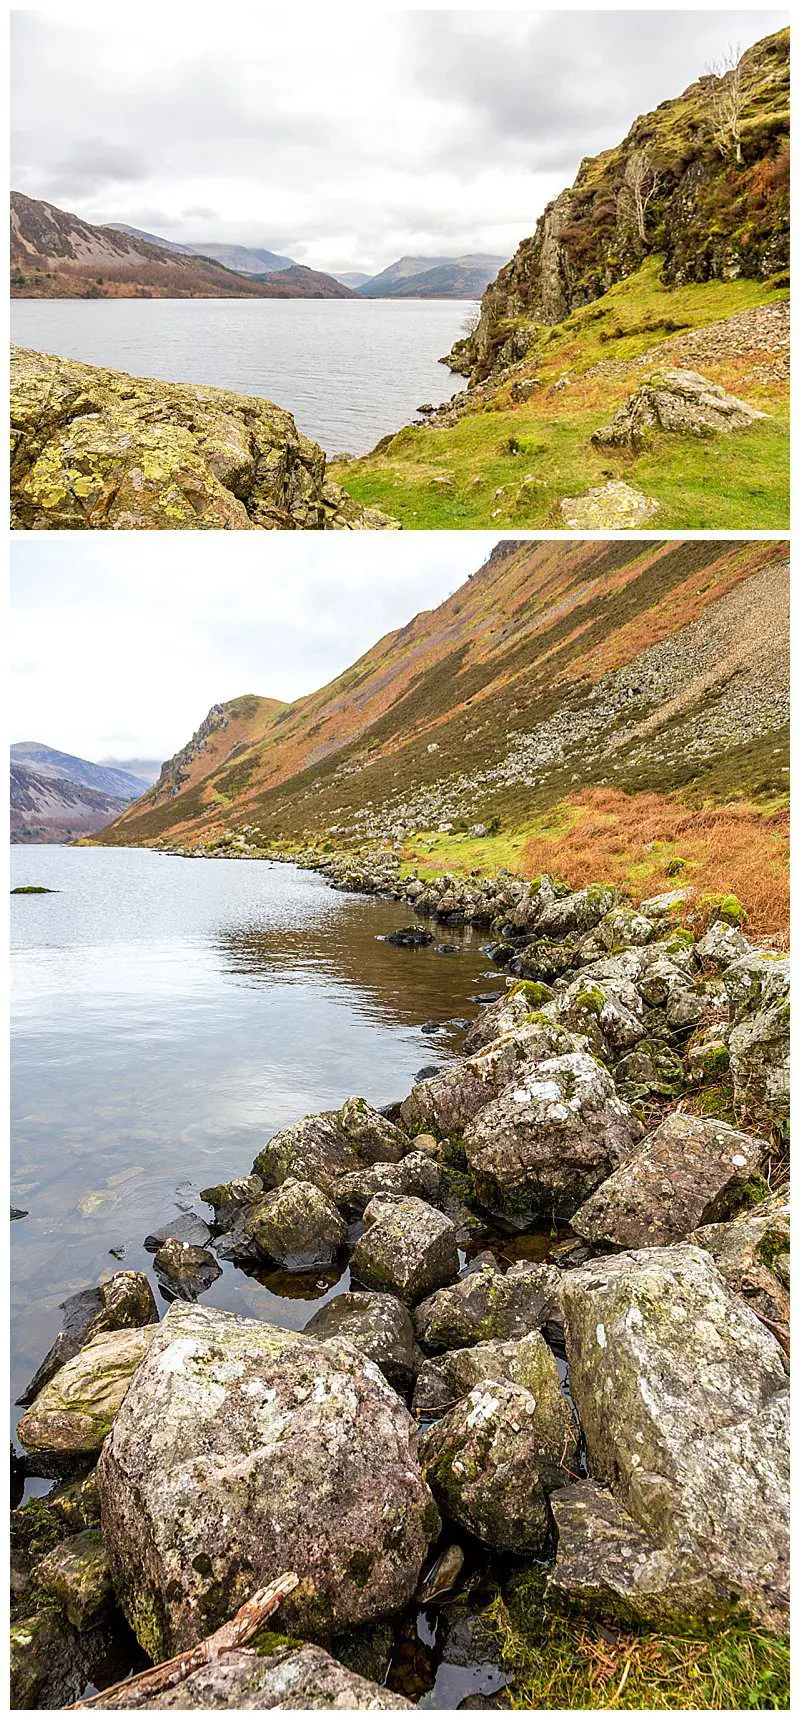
(123, 1299)
(614, 506)
(315, 1149)
(652, 1067)
(296, 1227)
(51, 1663)
(76, 1574)
(379, 1325)
(508, 1012)
(620, 929)
(98, 449)
(690, 1171)
(298, 1676)
(752, 1255)
(609, 1016)
(547, 1142)
(376, 1140)
(481, 1463)
(244, 1450)
(607, 1568)
(490, 1304)
(184, 1270)
(73, 1413)
(722, 945)
(228, 1199)
(680, 401)
(448, 1102)
(681, 1395)
(577, 912)
(408, 1248)
(417, 1174)
(527, 1362)
(758, 1042)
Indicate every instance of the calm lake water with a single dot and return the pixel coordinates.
(168, 1016)
(350, 370)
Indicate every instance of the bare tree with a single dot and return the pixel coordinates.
(726, 102)
(471, 319)
(642, 181)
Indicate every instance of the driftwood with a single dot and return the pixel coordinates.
(235, 1634)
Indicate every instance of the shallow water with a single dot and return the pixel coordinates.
(168, 1016)
(350, 370)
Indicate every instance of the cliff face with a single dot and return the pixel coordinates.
(703, 182)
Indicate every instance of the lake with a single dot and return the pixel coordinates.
(350, 370)
(168, 1016)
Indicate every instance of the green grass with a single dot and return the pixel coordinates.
(33, 890)
(564, 1662)
(447, 478)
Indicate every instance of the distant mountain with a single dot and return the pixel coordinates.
(58, 255)
(353, 278)
(434, 278)
(146, 770)
(56, 796)
(243, 259)
(106, 779)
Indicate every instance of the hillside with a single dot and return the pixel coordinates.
(105, 778)
(56, 797)
(433, 278)
(58, 255)
(669, 252)
(243, 259)
(651, 668)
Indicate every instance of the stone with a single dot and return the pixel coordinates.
(417, 1174)
(184, 1227)
(185, 1270)
(296, 1227)
(228, 1199)
(375, 1139)
(72, 1414)
(508, 1012)
(752, 1253)
(614, 506)
(408, 1248)
(608, 1016)
(123, 1299)
(689, 1171)
(607, 1568)
(448, 1102)
(76, 1573)
(97, 449)
(548, 1142)
(298, 1676)
(480, 1461)
(410, 937)
(721, 945)
(243, 1450)
(443, 1575)
(51, 1663)
(578, 912)
(529, 1362)
(679, 401)
(758, 1042)
(680, 1390)
(312, 1150)
(489, 1304)
(652, 1067)
(76, 1504)
(379, 1325)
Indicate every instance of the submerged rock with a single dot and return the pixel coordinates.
(243, 1450)
(186, 1227)
(98, 449)
(73, 1413)
(489, 1304)
(408, 1247)
(680, 401)
(299, 1676)
(690, 1171)
(184, 1270)
(379, 1325)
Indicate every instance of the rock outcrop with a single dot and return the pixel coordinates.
(679, 401)
(615, 506)
(98, 450)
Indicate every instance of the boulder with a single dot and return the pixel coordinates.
(481, 1463)
(681, 1395)
(448, 1102)
(490, 1304)
(758, 991)
(183, 1227)
(609, 1016)
(722, 945)
(375, 1139)
(528, 1362)
(651, 1068)
(690, 1171)
(417, 1174)
(73, 1413)
(614, 506)
(575, 913)
(184, 1270)
(52, 1663)
(680, 401)
(229, 1199)
(314, 1150)
(123, 1299)
(243, 1450)
(76, 1574)
(508, 1012)
(295, 1676)
(98, 449)
(408, 1248)
(549, 1140)
(752, 1255)
(379, 1325)
(296, 1227)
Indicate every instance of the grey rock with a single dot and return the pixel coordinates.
(184, 1227)
(185, 1270)
(379, 1325)
(679, 401)
(296, 1677)
(77, 1576)
(614, 506)
(489, 1304)
(417, 1174)
(408, 1248)
(689, 1171)
(296, 1227)
(313, 1150)
(529, 1362)
(481, 1462)
(72, 1414)
(124, 1299)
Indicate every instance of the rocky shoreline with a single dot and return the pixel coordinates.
(563, 1348)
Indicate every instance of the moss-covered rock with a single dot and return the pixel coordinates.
(73, 1413)
(408, 1248)
(76, 1575)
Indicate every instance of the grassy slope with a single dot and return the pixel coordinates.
(729, 483)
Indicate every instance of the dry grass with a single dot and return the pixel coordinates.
(639, 841)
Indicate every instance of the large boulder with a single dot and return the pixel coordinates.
(408, 1248)
(379, 1325)
(680, 401)
(528, 1362)
(244, 1450)
(549, 1140)
(481, 1461)
(489, 1304)
(690, 1171)
(758, 1042)
(123, 1299)
(681, 1394)
(314, 1149)
(375, 1139)
(577, 912)
(291, 1676)
(448, 1102)
(752, 1255)
(73, 1413)
(99, 449)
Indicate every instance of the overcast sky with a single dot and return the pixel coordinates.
(121, 644)
(342, 139)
